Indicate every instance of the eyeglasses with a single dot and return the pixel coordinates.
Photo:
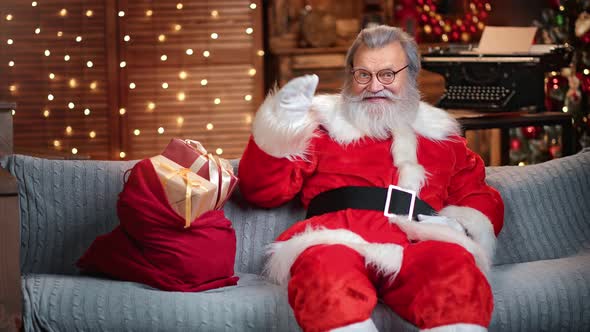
(384, 76)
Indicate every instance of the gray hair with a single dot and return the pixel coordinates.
(381, 36)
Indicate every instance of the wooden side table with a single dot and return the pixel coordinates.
(473, 120)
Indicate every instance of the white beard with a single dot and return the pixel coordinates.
(381, 120)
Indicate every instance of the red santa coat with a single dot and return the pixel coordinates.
(321, 150)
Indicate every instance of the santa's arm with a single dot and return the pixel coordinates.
(278, 157)
(471, 201)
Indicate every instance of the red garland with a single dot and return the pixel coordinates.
(436, 27)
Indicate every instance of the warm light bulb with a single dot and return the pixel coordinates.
(162, 38)
(252, 5)
(46, 113)
(209, 126)
(181, 96)
(74, 151)
(204, 82)
(9, 41)
(78, 39)
(149, 12)
(252, 72)
(132, 85)
(177, 27)
(73, 83)
(214, 35)
(93, 85)
(12, 88)
(217, 101)
(63, 12)
(69, 130)
(10, 63)
(182, 75)
(9, 17)
(136, 132)
(60, 33)
(180, 120)
(89, 64)
(161, 130)
(248, 97)
(126, 38)
(586, 71)
(66, 57)
(164, 85)
(87, 112)
(89, 13)
(249, 31)
(206, 54)
(214, 13)
(56, 143)
(122, 154)
(71, 105)
(92, 134)
(121, 13)
(37, 31)
(47, 52)
(50, 97)
(564, 109)
(189, 51)
(34, 3)
(122, 64)
(260, 53)
(164, 57)
(219, 151)
(151, 106)
(13, 112)
(122, 111)
(179, 6)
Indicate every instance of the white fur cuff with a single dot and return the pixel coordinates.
(280, 134)
(478, 226)
(385, 257)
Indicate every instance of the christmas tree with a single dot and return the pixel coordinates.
(562, 22)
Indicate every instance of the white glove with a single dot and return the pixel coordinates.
(296, 96)
(441, 220)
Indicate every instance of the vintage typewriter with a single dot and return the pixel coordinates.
(495, 82)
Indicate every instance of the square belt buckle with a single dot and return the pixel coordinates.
(388, 201)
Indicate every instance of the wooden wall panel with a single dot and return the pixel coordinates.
(233, 70)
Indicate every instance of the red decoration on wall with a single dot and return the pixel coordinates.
(437, 27)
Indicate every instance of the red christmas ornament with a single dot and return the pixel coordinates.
(530, 132)
(555, 151)
(515, 144)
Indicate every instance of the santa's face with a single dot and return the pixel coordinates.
(374, 60)
(377, 107)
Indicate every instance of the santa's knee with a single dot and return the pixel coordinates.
(441, 286)
(329, 288)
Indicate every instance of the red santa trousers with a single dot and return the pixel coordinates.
(438, 284)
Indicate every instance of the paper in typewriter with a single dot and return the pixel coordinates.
(506, 40)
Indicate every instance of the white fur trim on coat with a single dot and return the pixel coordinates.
(478, 226)
(385, 257)
(419, 231)
(461, 327)
(280, 135)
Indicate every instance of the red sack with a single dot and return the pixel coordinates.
(152, 246)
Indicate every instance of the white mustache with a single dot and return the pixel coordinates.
(381, 94)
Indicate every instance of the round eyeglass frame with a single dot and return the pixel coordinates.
(377, 75)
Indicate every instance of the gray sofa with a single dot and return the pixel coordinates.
(540, 279)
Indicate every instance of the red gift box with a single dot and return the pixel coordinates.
(191, 154)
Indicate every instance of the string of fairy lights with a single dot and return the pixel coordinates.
(151, 105)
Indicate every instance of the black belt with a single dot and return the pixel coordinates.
(370, 198)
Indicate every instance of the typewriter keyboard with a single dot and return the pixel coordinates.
(484, 97)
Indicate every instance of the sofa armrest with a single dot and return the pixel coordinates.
(10, 279)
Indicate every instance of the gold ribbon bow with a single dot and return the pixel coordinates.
(183, 173)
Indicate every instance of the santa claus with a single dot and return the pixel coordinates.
(399, 209)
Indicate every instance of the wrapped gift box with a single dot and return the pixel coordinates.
(181, 183)
(191, 154)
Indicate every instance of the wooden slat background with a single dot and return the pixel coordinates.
(227, 70)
